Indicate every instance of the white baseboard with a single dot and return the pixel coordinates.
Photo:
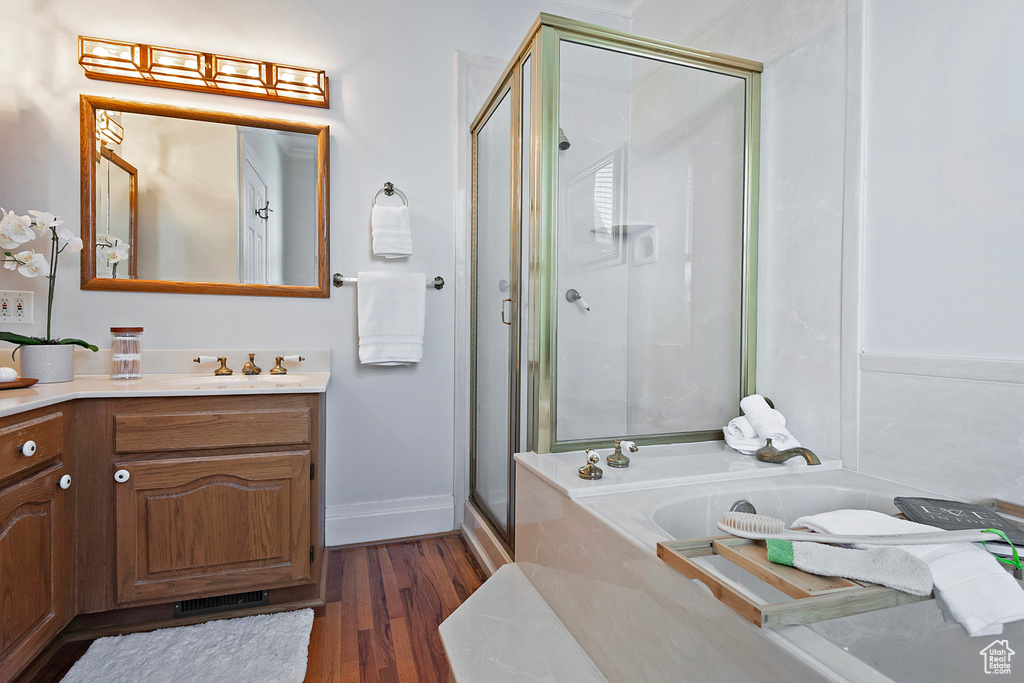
(384, 520)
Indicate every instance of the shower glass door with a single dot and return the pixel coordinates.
(494, 323)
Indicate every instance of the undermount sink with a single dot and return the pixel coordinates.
(206, 380)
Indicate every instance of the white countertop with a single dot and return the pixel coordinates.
(659, 466)
(13, 401)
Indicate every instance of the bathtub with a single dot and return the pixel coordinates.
(905, 644)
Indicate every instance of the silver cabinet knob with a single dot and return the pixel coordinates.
(65, 482)
(121, 476)
(28, 449)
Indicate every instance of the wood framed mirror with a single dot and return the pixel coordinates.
(209, 202)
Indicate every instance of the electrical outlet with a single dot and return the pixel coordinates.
(15, 307)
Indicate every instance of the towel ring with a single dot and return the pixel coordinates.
(390, 189)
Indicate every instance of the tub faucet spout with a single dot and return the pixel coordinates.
(769, 453)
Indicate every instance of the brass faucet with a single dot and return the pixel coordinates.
(222, 370)
(769, 453)
(250, 367)
(618, 458)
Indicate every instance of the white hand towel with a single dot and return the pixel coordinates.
(886, 566)
(768, 422)
(392, 311)
(979, 593)
(392, 235)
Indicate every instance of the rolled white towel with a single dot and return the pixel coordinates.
(741, 428)
(746, 446)
(768, 423)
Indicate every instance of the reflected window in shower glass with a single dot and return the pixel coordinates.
(650, 232)
(116, 216)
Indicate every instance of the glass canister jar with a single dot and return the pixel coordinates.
(126, 352)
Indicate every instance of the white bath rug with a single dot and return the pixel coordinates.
(266, 648)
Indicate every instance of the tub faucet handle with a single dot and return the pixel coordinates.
(618, 458)
(591, 470)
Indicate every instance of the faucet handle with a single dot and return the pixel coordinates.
(278, 369)
(618, 458)
(223, 369)
(591, 470)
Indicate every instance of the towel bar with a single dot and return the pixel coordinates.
(339, 280)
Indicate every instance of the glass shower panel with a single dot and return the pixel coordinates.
(650, 227)
(492, 447)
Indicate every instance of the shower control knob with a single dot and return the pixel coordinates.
(591, 471)
(121, 476)
(65, 482)
(28, 449)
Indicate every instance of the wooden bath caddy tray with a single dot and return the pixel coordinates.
(816, 598)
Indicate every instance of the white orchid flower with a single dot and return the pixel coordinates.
(117, 253)
(14, 230)
(74, 242)
(22, 257)
(34, 266)
(45, 219)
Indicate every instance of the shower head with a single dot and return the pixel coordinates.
(563, 142)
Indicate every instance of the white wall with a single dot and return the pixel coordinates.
(942, 373)
(392, 69)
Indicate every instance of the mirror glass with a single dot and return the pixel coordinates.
(183, 198)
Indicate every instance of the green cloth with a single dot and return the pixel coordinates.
(780, 552)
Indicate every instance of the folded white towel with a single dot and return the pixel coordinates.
(978, 592)
(741, 428)
(886, 566)
(392, 235)
(392, 310)
(748, 446)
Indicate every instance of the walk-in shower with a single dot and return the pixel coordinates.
(614, 249)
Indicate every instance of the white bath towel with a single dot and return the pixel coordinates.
(978, 592)
(886, 566)
(392, 235)
(392, 310)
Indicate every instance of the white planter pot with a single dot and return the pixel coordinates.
(47, 363)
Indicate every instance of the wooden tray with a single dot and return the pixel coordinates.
(817, 598)
(19, 383)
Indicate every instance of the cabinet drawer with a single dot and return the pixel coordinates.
(46, 431)
(183, 431)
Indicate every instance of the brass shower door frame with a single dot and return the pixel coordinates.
(541, 48)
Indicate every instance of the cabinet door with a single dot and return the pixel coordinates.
(210, 525)
(36, 581)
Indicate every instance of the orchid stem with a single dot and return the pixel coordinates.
(54, 253)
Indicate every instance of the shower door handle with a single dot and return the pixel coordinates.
(503, 311)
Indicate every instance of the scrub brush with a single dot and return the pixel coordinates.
(762, 527)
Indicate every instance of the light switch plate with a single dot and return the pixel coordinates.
(16, 307)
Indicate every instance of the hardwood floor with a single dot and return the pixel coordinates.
(384, 604)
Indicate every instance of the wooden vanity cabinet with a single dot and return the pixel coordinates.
(223, 495)
(36, 541)
(217, 495)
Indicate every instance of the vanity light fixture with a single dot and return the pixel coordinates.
(168, 67)
(108, 130)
